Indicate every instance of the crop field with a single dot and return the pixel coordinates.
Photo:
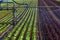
(29, 23)
(25, 29)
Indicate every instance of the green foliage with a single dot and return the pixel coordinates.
(26, 24)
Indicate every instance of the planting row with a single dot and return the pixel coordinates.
(25, 29)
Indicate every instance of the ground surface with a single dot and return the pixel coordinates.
(32, 23)
(48, 21)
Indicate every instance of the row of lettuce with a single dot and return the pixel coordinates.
(8, 18)
(26, 27)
